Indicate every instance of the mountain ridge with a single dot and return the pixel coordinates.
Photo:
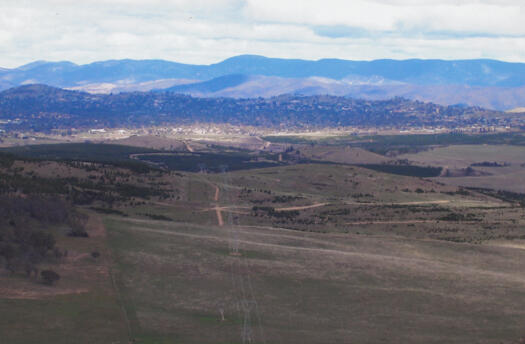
(489, 83)
(475, 72)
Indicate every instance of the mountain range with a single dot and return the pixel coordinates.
(487, 83)
(42, 108)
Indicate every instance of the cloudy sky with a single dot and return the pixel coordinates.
(207, 31)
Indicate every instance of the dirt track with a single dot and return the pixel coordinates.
(218, 210)
(37, 292)
(389, 222)
(216, 197)
(316, 205)
(219, 217)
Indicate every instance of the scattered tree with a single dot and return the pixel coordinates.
(49, 277)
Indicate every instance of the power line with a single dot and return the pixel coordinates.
(244, 291)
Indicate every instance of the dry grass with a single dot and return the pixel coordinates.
(340, 154)
(379, 278)
(511, 178)
(314, 288)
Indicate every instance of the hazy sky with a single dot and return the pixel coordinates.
(207, 31)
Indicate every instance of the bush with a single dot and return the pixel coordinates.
(78, 233)
(49, 277)
(95, 254)
(452, 217)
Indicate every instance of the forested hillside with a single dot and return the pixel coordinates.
(41, 107)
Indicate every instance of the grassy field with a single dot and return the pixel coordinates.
(306, 253)
(340, 154)
(370, 281)
(176, 279)
(510, 176)
(393, 145)
(465, 155)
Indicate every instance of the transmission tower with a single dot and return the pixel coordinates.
(247, 304)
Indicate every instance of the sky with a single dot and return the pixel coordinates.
(208, 31)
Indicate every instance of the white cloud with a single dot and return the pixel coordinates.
(201, 31)
(454, 16)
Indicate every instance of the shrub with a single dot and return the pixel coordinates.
(78, 233)
(49, 277)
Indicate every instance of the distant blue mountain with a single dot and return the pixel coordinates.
(419, 72)
(210, 86)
